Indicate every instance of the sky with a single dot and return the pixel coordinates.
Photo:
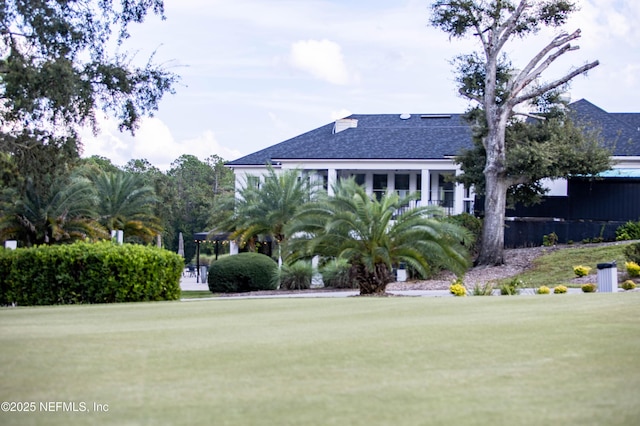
(257, 72)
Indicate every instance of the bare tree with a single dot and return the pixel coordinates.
(494, 23)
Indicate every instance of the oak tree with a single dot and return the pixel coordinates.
(502, 87)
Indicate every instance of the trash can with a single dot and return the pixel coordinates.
(607, 277)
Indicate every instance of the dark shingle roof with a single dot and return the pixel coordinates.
(423, 137)
(619, 130)
(379, 136)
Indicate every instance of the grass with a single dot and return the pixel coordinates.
(195, 294)
(528, 360)
(556, 267)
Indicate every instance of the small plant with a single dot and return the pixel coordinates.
(457, 289)
(483, 290)
(550, 239)
(560, 289)
(628, 285)
(628, 231)
(589, 288)
(632, 252)
(543, 289)
(633, 269)
(512, 288)
(581, 271)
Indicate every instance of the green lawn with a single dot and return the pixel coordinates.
(526, 360)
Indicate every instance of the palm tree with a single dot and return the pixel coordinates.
(367, 233)
(65, 213)
(126, 203)
(264, 209)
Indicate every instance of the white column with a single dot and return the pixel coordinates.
(233, 248)
(458, 196)
(332, 177)
(391, 182)
(368, 183)
(426, 186)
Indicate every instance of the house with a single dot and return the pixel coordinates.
(406, 153)
(410, 153)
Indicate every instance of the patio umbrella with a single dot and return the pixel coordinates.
(180, 244)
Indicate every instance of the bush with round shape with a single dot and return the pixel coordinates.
(589, 288)
(633, 269)
(628, 285)
(581, 271)
(543, 289)
(242, 273)
(560, 289)
(457, 289)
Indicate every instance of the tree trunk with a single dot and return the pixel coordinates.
(492, 241)
(371, 283)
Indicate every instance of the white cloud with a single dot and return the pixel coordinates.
(153, 141)
(322, 59)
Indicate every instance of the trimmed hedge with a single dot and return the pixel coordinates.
(84, 272)
(243, 272)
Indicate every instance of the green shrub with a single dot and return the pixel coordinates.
(550, 239)
(543, 289)
(296, 276)
(581, 271)
(560, 289)
(84, 272)
(633, 269)
(632, 253)
(588, 288)
(512, 287)
(628, 231)
(628, 285)
(242, 272)
(335, 274)
(457, 289)
(483, 290)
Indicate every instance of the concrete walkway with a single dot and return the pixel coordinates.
(191, 284)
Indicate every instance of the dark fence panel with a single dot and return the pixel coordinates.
(529, 233)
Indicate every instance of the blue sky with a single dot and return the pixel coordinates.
(257, 72)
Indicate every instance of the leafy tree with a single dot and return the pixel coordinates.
(490, 80)
(554, 147)
(165, 192)
(55, 67)
(125, 202)
(264, 208)
(197, 189)
(366, 232)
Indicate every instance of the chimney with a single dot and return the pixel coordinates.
(344, 124)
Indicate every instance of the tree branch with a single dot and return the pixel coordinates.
(527, 75)
(550, 86)
(506, 30)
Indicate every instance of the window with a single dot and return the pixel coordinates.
(379, 185)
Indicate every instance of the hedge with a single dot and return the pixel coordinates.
(243, 272)
(83, 272)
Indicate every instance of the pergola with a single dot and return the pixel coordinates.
(200, 237)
